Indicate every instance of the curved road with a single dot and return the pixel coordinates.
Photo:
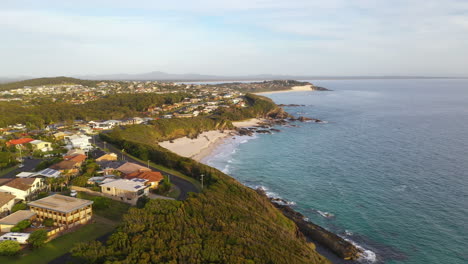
(184, 185)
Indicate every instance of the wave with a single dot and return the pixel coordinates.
(367, 256)
(325, 214)
(274, 196)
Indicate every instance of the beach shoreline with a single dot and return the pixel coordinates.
(204, 145)
(303, 88)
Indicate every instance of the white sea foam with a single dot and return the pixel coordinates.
(325, 214)
(367, 256)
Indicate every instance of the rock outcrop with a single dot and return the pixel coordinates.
(335, 243)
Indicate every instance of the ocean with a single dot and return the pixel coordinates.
(388, 170)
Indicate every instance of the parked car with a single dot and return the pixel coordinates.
(73, 193)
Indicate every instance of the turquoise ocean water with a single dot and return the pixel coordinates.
(388, 171)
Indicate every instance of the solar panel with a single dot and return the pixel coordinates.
(137, 187)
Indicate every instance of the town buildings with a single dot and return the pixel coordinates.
(66, 211)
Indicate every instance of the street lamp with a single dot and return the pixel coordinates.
(203, 175)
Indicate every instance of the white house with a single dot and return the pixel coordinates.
(78, 142)
(127, 190)
(21, 238)
(23, 188)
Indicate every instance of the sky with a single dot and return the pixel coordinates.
(238, 37)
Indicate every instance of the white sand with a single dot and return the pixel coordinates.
(293, 89)
(248, 122)
(206, 142)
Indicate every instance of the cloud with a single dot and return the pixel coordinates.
(235, 37)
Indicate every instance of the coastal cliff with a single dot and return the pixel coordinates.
(335, 243)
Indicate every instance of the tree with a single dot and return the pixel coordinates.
(21, 225)
(48, 222)
(19, 206)
(90, 251)
(9, 248)
(38, 238)
(142, 201)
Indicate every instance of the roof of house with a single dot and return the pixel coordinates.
(16, 217)
(25, 174)
(35, 142)
(107, 156)
(64, 165)
(21, 183)
(130, 167)
(78, 158)
(110, 164)
(5, 198)
(50, 173)
(20, 141)
(132, 185)
(72, 152)
(60, 203)
(151, 176)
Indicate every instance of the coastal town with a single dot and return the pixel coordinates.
(65, 174)
(53, 177)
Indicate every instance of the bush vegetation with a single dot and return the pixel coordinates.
(9, 248)
(21, 225)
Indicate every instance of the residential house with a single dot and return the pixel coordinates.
(20, 141)
(153, 177)
(107, 157)
(73, 152)
(67, 167)
(78, 141)
(21, 238)
(39, 145)
(48, 173)
(7, 200)
(130, 167)
(109, 167)
(23, 188)
(78, 158)
(126, 190)
(7, 222)
(66, 211)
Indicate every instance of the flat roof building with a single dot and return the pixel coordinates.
(64, 210)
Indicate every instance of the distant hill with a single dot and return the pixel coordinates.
(162, 76)
(13, 83)
(45, 81)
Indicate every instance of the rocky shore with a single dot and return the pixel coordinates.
(274, 118)
(325, 238)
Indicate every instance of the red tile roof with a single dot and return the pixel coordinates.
(19, 141)
(151, 176)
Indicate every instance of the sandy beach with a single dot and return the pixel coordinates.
(293, 89)
(206, 142)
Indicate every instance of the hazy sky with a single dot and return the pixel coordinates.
(306, 37)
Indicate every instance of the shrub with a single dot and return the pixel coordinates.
(19, 206)
(9, 248)
(20, 226)
(48, 222)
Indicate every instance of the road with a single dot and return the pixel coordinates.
(184, 185)
(29, 166)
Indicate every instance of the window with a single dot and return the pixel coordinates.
(108, 188)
